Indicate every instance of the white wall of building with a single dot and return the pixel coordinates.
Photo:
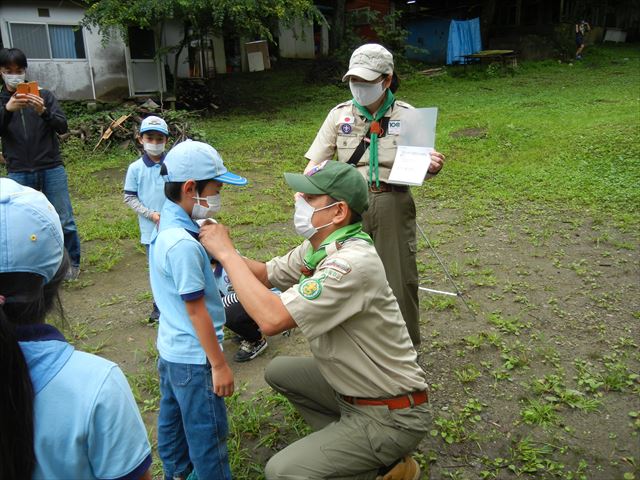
(296, 40)
(173, 33)
(102, 74)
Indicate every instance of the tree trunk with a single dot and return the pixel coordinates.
(486, 21)
(337, 25)
(176, 59)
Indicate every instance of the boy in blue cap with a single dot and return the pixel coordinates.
(194, 376)
(143, 185)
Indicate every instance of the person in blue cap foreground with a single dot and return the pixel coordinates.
(362, 391)
(194, 376)
(63, 413)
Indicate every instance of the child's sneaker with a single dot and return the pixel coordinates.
(154, 316)
(72, 274)
(249, 351)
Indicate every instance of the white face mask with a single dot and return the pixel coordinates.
(12, 81)
(200, 213)
(366, 93)
(302, 218)
(154, 149)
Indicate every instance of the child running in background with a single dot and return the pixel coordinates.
(143, 185)
(194, 375)
(63, 413)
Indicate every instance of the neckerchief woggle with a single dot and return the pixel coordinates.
(313, 258)
(375, 130)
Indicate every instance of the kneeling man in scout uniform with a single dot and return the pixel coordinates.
(362, 391)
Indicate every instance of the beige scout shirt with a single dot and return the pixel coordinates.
(351, 318)
(344, 128)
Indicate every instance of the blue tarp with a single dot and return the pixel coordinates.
(464, 39)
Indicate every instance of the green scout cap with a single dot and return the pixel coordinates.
(336, 179)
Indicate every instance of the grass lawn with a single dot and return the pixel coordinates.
(535, 213)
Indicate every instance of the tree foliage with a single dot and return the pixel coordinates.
(240, 17)
(199, 18)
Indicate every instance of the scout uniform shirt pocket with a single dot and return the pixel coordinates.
(387, 147)
(345, 145)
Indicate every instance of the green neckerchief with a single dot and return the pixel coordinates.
(313, 258)
(375, 130)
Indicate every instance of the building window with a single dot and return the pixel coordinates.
(38, 40)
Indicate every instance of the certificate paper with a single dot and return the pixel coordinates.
(416, 141)
(411, 165)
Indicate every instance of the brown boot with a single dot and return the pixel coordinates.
(405, 469)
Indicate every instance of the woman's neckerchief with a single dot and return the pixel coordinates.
(375, 130)
(313, 258)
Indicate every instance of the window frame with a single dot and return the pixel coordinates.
(46, 25)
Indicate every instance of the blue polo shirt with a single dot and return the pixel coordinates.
(180, 271)
(87, 423)
(144, 180)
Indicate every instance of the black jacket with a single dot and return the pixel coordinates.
(29, 140)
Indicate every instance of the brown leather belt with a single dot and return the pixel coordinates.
(387, 187)
(404, 401)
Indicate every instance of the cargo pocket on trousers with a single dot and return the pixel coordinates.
(389, 444)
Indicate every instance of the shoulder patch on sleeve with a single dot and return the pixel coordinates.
(338, 265)
(342, 105)
(311, 288)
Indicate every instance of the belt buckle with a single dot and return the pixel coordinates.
(373, 188)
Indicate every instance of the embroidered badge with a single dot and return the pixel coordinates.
(394, 127)
(316, 169)
(348, 119)
(310, 289)
(345, 128)
(337, 276)
(337, 264)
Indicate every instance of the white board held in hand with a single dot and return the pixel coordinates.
(416, 141)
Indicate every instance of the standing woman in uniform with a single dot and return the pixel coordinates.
(363, 131)
(63, 413)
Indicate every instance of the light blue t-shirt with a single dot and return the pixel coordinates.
(180, 271)
(87, 423)
(144, 180)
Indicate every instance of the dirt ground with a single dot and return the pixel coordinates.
(551, 296)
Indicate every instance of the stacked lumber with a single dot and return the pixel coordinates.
(119, 127)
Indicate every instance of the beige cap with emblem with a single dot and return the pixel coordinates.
(369, 62)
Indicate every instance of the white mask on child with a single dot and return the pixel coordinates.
(154, 149)
(199, 212)
(13, 80)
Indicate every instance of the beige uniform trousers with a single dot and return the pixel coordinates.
(391, 222)
(350, 441)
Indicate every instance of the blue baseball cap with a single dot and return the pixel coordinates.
(190, 160)
(31, 239)
(154, 124)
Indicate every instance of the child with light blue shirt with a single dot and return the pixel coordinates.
(63, 413)
(194, 375)
(143, 185)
